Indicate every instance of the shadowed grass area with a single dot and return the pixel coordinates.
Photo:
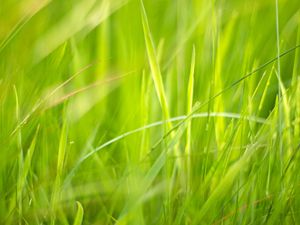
(149, 112)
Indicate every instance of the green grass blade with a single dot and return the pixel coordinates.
(279, 82)
(27, 162)
(26, 165)
(79, 215)
(153, 62)
(190, 94)
(59, 170)
(21, 159)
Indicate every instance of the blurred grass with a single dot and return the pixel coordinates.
(97, 95)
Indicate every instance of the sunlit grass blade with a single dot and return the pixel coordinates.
(190, 93)
(279, 82)
(79, 215)
(24, 172)
(21, 158)
(145, 113)
(221, 47)
(59, 169)
(153, 62)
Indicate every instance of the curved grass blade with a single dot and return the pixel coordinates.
(159, 123)
(79, 214)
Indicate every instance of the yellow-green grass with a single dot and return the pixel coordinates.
(149, 112)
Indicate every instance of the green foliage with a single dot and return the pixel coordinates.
(79, 214)
(149, 112)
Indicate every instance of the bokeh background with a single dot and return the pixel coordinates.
(76, 74)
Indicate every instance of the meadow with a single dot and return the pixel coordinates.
(149, 112)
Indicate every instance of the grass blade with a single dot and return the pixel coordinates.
(155, 69)
(24, 172)
(59, 169)
(190, 93)
(79, 214)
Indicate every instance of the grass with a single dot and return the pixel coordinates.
(149, 112)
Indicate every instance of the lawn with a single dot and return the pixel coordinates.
(149, 112)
